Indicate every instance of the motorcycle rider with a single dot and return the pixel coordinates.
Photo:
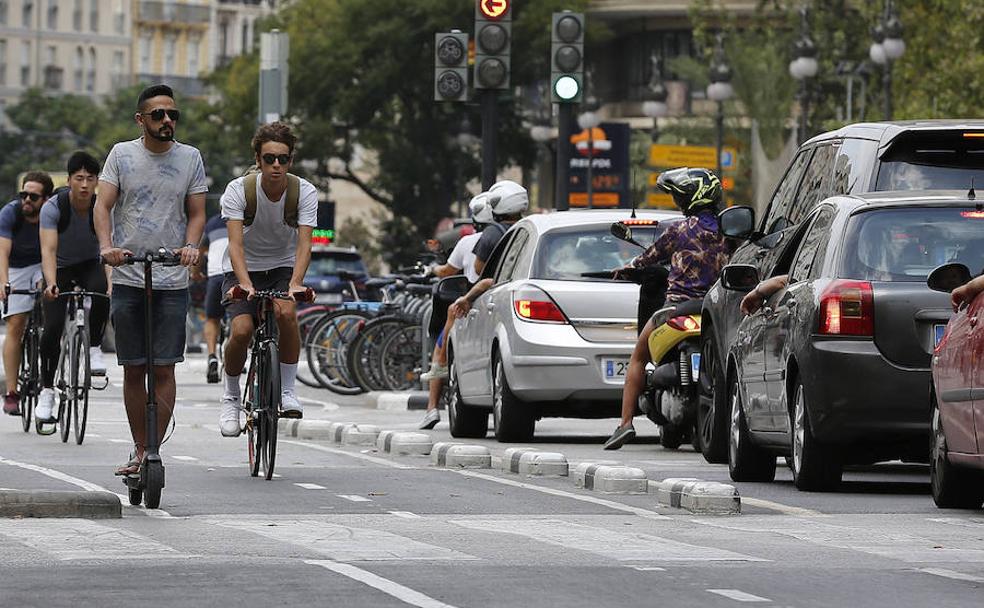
(696, 253)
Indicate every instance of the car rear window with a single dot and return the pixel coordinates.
(565, 254)
(947, 160)
(331, 262)
(907, 244)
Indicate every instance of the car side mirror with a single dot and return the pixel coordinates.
(740, 277)
(451, 288)
(737, 222)
(948, 277)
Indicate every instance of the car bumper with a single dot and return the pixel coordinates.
(855, 394)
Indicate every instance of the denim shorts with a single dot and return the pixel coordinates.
(169, 320)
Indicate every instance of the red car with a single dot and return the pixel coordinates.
(957, 447)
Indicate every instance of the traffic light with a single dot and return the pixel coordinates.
(493, 39)
(451, 66)
(567, 57)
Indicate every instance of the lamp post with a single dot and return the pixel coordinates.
(466, 141)
(803, 67)
(542, 133)
(720, 90)
(655, 104)
(888, 46)
(588, 119)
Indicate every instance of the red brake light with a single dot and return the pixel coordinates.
(684, 323)
(847, 308)
(539, 310)
(973, 135)
(973, 215)
(639, 222)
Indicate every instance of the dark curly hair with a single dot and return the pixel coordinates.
(275, 131)
(47, 186)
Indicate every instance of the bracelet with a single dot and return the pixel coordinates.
(191, 245)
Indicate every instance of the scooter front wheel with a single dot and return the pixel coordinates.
(135, 495)
(154, 484)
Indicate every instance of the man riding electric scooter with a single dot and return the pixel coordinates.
(696, 254)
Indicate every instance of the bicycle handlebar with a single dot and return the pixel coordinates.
(238, 293)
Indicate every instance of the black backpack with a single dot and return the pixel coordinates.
(65, 210)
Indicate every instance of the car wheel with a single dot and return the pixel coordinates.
(953, 487)
(815, 467)
(712, 405)
(746, 461)
(511, 418)
(463, 421)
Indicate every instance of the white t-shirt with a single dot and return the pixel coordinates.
(463, 257)
(268, 242)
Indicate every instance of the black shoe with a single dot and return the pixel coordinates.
(620, 437)
(213, 370)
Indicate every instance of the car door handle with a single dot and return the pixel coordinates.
(973, 321)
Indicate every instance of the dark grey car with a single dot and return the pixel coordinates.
(908, 156)
(835, 369)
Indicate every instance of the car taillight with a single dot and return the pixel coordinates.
(684, 323)
(847, 308)
(533, 304)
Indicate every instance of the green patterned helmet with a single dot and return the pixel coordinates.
(692, 189)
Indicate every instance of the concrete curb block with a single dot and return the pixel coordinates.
(510, 459)
(461, 456)
(402, 401)
(288, 428)
(611, 479)
(401, 443)
(699, 497)
(543, 464)
(312, 429)
(50, 503)
(439, 452)
(360, 434)
(337, 429)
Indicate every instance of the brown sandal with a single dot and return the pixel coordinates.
(132, 467)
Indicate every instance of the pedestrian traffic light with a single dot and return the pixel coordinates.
(567, 57)
(451, 66)
(493, 39)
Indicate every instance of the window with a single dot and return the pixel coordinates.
(119, 17)
(504, 272)
(563, 255)
(194, 50)
(94, 15)
(118, 59)
(813, 247)
(51, 55)
(27, 13)
(90, 81)
(492, 265)
(245, 40)
(4, 5)
(25, 75)
(816, 182)
(782, 200)
(932, 161)
(145, 42)
(78, 69)
(852, 167)
(170, 47)
(53, 14)
(3, 62)
(77, 15)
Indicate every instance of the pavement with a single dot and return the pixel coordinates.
(357, 526)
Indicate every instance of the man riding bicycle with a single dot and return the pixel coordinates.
(271, 216)
(213, 249)
(70, 255)
(20, 265)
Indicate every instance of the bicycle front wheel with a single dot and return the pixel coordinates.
(327, 348)
(81, 380)
(254, 425)
(27, 380)
(270, 390)
(64, 418)
(307, 320)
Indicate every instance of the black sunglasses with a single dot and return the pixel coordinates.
(159, 113)
(34, 196)
(283, 159)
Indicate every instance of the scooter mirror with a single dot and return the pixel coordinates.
(740, 277)
(948, 277)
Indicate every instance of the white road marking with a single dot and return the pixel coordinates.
(354, 497)
(344, 543)
(976, 524)
(777, 506)
(185, 458)
(310, 486)
(92, 435)
(405, 514)
(649, 569)
(121, 441)
(358, 455)
(404, 594)
(959, 576)
(738, 596)
(620, 546)
(79, 539)
(554, 492)
(325, 405)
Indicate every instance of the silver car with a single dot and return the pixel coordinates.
(545, 341)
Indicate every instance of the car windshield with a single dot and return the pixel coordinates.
(565, 255)
(907, 244)
(933, 161)
(331, 263)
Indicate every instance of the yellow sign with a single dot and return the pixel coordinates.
(662, 155)
(493, 9)
(660, 201)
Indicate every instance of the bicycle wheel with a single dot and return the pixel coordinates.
(360, 356)
(64, 418)
(399, 358)
(26, 381)
(270, 390)
(254, 431)
(81, 380)
(327, 349)
(307, 320)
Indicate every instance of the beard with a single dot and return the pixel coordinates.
(29, 210)
(163, 134)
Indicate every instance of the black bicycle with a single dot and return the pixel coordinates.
(262, 399)
(74, 379)
(29, 372)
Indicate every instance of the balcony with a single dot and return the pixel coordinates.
(53, 77)
(168, 13)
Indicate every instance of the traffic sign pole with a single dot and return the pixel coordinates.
(489, 137)
(565, 121)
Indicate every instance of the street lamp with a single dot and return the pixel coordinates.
(655, 104)
(804, 66)
(588, 119)
(888, 47)
(720, 90)
(542, 133)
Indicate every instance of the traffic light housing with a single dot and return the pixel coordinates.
(493, 41)
(451, 66)
(567, 57)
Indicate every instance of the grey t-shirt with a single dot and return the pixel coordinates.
(150, 211)
(78, 243)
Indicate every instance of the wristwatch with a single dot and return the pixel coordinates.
(192, 245)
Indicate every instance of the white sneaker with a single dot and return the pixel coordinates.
(96, 364)
(229, 423)
(46, 405)
(290, 406)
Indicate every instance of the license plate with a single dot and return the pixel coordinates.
(695, 365)
(938, 331)
(614, 369)
(328, 298)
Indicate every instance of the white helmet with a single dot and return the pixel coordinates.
(480, 211)
(507, 198)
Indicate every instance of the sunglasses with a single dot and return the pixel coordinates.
(283, 159)
(159, 113)
(34, 196)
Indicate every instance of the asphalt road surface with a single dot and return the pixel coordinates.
(347, 526)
